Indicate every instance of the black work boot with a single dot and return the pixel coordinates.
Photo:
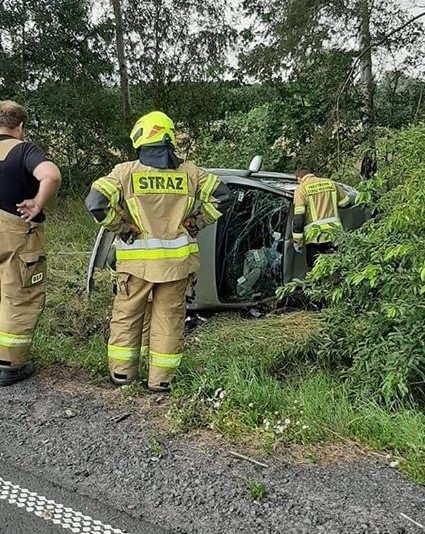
(162, 387)
(120, 379)
(16, 374)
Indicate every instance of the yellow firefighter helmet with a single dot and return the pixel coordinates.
(155, 127)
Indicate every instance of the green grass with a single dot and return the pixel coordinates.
(253, 380)
(243, 378)
(257, 490)
(73, 327)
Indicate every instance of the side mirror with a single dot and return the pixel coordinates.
(256, 164)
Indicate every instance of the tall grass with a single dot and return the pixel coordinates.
(73, 326)
(257, 380)
(254, 379)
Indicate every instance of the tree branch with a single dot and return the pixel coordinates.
(353, 69)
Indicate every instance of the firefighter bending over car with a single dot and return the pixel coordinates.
(27, 181)
(150, 204)
(316, 217)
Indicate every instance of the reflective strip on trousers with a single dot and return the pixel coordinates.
(319, 222)
(14, 340)
(123, 354)
(166, 361)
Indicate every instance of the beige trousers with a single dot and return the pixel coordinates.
(165, 340)
(22, 286)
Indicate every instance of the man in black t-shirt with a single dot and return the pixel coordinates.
(27, 181)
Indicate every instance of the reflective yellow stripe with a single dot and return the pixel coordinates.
(299, 210)
(207, 188)
(323, 222)
(297, 237)
(110, 217)
(312, 209)
(106, 186)
(335, 202)
(211, 211)
(134, 212)
(189, 207)
(14, 340)
(123, 354)
(330, 226)
(168, 361)
(109, 190)
(344, 202)
(157, 254)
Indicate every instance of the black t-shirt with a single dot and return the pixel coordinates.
(17, 182)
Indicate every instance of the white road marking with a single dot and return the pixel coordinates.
(49, 510)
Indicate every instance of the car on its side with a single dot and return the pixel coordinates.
(248, 253)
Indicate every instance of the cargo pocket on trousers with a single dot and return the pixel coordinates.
(33, 268)
(122, 284)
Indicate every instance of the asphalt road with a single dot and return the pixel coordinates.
(31, 505)
(101, 456)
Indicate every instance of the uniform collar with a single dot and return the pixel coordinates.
(159, 157)
(307, 176)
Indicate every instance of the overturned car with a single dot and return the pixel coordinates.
(248, 253)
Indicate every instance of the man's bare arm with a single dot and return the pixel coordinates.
(49, 176)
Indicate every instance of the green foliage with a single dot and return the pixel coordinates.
(261, 381)
(257, 490)
(255, 379)
(73, 326)
(374, 286)
(400, 100)
(234, 141)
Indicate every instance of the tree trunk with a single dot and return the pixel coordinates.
(24, 37)
(368, 89)
(122, 64)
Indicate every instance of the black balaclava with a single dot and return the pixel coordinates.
(160, 156)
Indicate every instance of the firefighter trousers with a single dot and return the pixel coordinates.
(168, 310)
(22, 286)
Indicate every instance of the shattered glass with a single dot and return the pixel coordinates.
(250, 245)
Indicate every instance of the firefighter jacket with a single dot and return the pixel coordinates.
(157, 201)
(316, 203)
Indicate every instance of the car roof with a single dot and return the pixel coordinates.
(278, 182)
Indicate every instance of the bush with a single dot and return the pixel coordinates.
(374, 286)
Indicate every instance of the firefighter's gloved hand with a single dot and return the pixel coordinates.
(128, 233)
(194, 224)
(298, 248)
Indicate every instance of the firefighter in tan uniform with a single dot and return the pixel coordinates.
(27, 182)
(316, 217)
(150, 204)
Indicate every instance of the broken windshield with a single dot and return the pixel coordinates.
(250, 245)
